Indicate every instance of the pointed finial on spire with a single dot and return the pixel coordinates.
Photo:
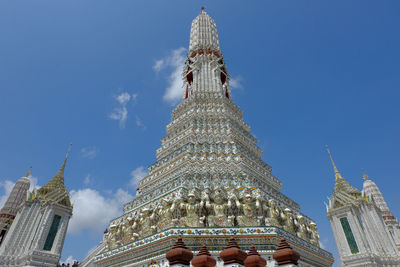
(365, 176)
(55, 189)
(337, 173)
(28, 172)
(202, 9)
(66, 157)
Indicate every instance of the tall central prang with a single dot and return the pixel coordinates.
(209, 181)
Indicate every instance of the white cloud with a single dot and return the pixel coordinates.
(123, 196)
(86, 181)
(323, 243)
(93, 211)
(175, 89)
(89, 152)
(34, 182)
(159, 65)
(7, 186)
(91, 250)
(123, 98)
(236, 83)
(69, 260)
(175, 62)
(140, 123)
(136, 175)
(121, 113)
(134, 98)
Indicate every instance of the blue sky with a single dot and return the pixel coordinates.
(307, 73)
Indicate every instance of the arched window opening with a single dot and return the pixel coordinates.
(223, 78)
(189, 78)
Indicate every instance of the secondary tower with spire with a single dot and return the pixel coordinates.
(365, 230)
(14, 200)
(37, 234)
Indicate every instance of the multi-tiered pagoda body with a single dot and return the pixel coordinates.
(209, 181)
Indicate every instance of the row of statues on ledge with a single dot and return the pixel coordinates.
(218, 209)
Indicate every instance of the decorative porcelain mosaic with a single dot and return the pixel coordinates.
(209, 179)
(209, 233)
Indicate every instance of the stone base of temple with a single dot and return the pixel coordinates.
(151, 250)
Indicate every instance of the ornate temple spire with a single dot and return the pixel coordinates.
(11, 206)
(208, 156)
(203, 33)
(54, 190)
(337, 173)
(58, 179)
(205, 73)
(371, 189)
(343, 192)
(17, 196)
(61, 171)
(341, 183)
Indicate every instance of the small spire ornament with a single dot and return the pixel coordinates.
(365, 176)
(179, 254)
(284, 254)
(28, 172)
(204, 258)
